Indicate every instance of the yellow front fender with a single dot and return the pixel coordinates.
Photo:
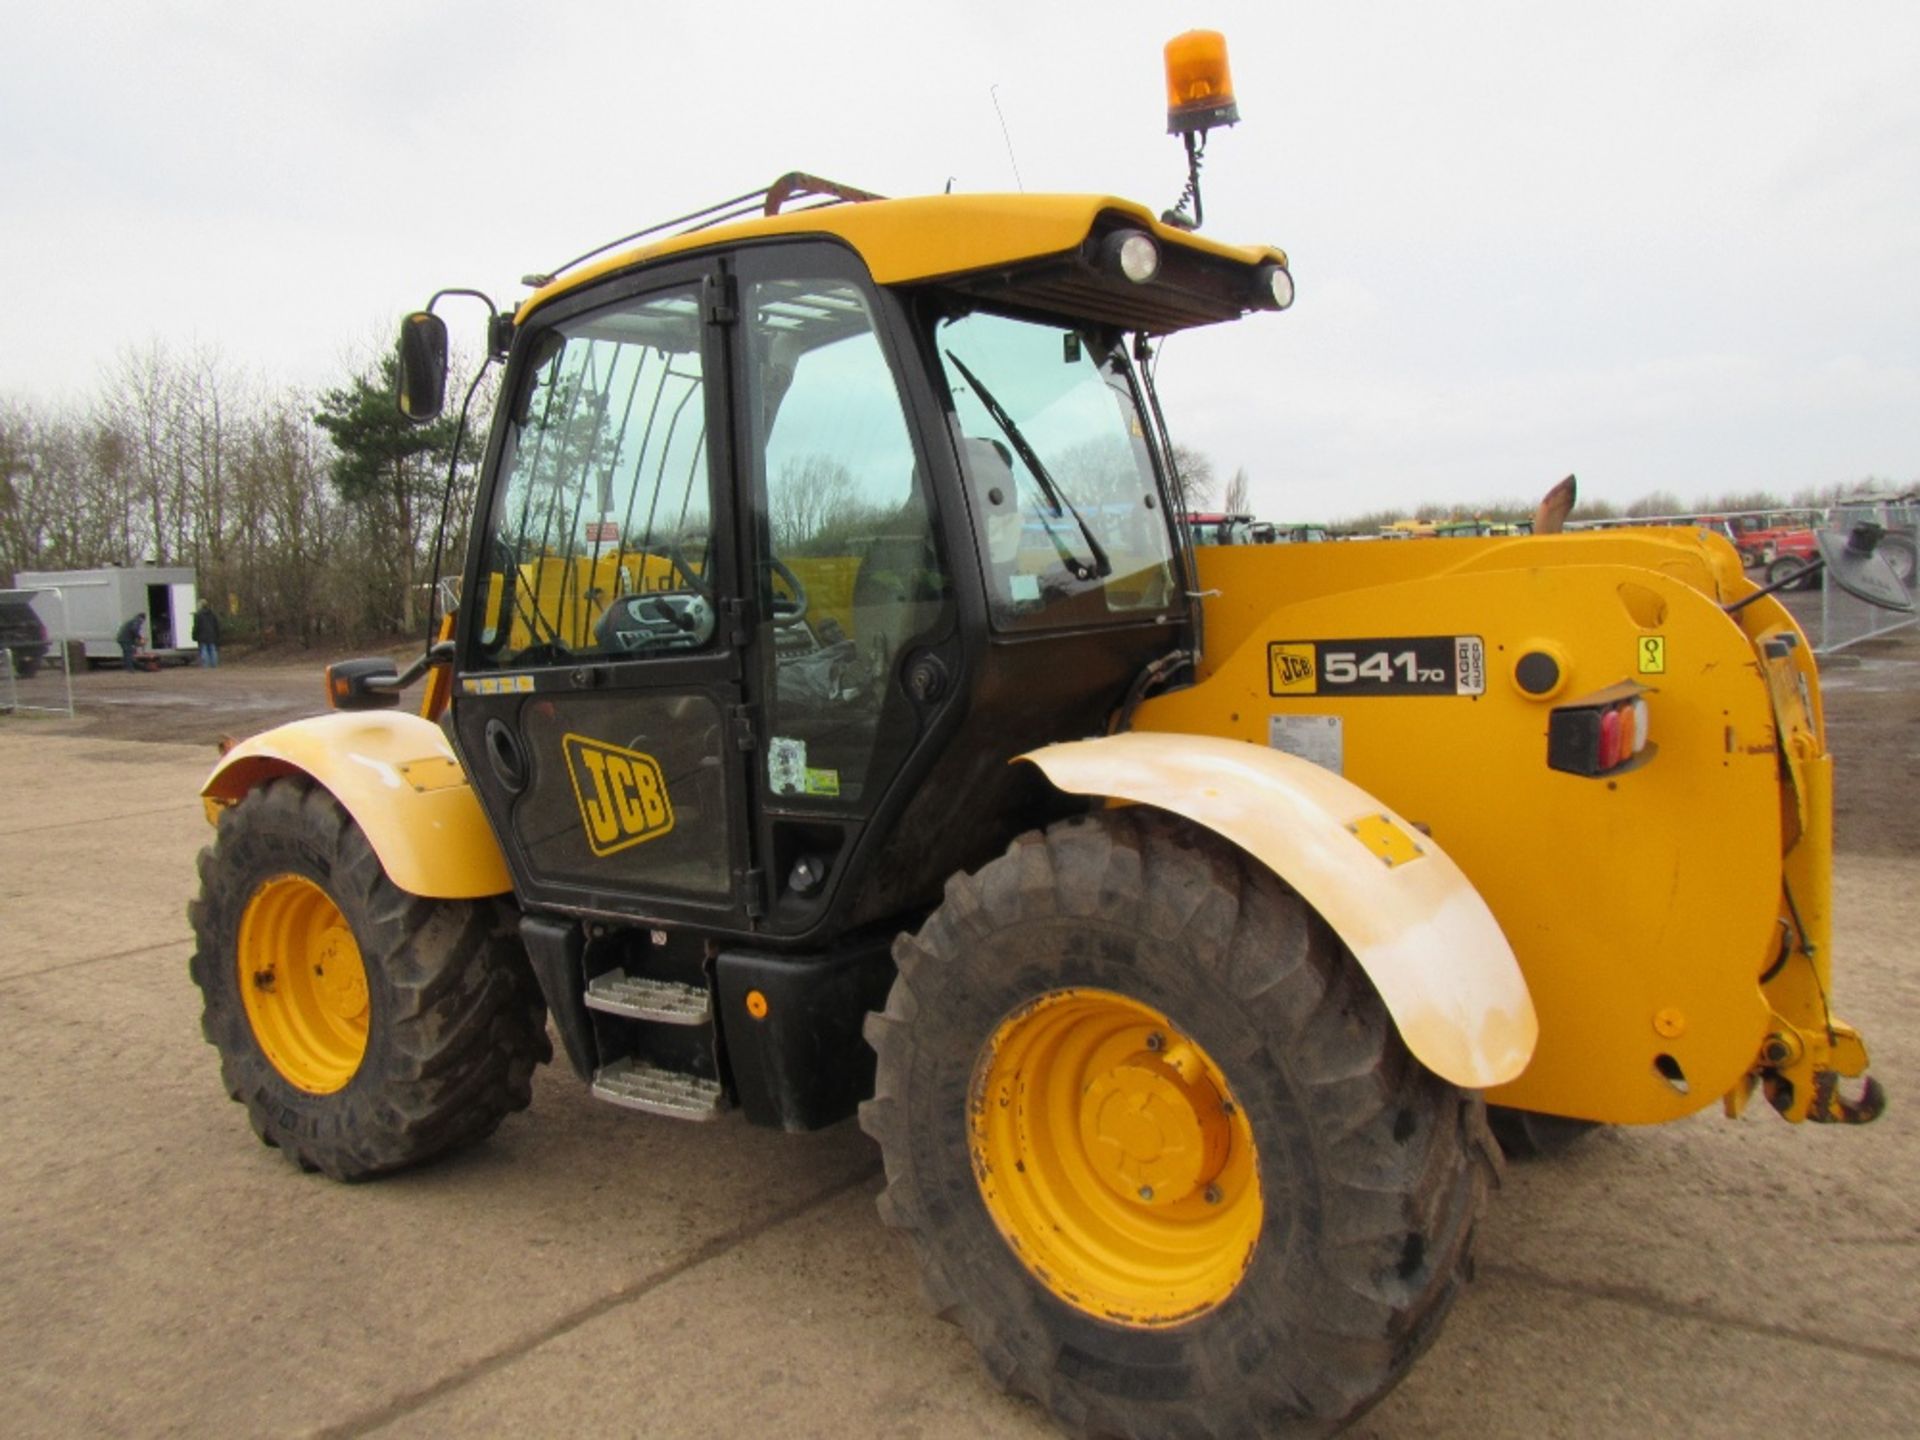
(396, 775)
(1414, 922)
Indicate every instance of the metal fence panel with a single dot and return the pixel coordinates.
(39, 683)
(1845, 620)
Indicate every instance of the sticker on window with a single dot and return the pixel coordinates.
(787, 765)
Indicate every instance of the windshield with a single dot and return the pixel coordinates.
(1060, 479)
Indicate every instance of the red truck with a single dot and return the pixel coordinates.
(1780, 541)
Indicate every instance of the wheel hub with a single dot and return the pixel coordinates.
(340, 978)
(303, 984)
(1110, 1154)
(1151, 1133)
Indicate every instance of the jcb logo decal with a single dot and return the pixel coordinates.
(622, 794)
(1292, 669)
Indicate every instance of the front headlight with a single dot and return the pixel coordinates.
(1273, 287)
(1132, 254)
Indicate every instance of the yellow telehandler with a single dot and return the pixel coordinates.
(839, 718)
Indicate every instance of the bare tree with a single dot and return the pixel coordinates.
(1659, 502)
(1239, 498)
(1193, 472)
(813, 497)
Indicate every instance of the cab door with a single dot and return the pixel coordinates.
(598, 690)
(850, 592)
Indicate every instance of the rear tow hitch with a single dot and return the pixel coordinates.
(1828, 1105)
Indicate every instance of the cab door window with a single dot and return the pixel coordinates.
(849, 569)
(600, 532)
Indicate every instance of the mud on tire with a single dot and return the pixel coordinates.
(455, 1022)
(1373, 1171)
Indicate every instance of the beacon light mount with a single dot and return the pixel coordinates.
(1199, 98)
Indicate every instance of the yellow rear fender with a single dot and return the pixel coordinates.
(1413, 921)
(396, 775)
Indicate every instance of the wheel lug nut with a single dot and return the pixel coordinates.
(1213, 1195)
(1146, 1192)
(1156, 1041)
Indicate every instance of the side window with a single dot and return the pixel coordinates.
(597, 544)
(850, 570)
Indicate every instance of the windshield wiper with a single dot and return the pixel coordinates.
(1102, 566)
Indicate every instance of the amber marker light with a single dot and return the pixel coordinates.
(1199, 84)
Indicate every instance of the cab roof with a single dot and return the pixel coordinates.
(988, 243)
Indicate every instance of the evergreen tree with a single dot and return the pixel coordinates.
(390, 470)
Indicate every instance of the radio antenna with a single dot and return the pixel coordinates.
(993, 92)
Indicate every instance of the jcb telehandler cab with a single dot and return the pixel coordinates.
(830, 680)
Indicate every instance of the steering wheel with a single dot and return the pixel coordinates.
(788, 609)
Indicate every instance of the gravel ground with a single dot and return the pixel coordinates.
(589, 1270)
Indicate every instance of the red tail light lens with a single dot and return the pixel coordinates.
(1598, 734)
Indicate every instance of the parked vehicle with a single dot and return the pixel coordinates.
(99, 602)
(1763, 537)
(22, 634)
(1216, 528)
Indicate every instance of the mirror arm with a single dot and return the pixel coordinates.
(439, 653)
(1814, 567)
(480, 295)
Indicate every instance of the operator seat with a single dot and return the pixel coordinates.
(900, 586)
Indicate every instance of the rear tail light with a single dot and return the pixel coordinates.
(1598, 734)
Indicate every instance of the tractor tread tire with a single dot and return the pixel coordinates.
(1368, 1231)
(457, 1023)
(1788, 570)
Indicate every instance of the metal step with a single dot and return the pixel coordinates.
(664, 1001)
(641, 1086)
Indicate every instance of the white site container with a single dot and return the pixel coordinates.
(99, 602)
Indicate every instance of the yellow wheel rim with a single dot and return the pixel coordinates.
(303, 984)
(1114, 1159)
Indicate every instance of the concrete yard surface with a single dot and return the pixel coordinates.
(594, 1271)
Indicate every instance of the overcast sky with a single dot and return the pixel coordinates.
(1667, 246)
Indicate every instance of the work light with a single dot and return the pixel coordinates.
(1272, 287)
(1132, 253)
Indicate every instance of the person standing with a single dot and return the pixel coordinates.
(129, 637)
(206, 634)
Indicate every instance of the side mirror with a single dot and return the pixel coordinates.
(362, 685)
(1857, 568)
(423, 367)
